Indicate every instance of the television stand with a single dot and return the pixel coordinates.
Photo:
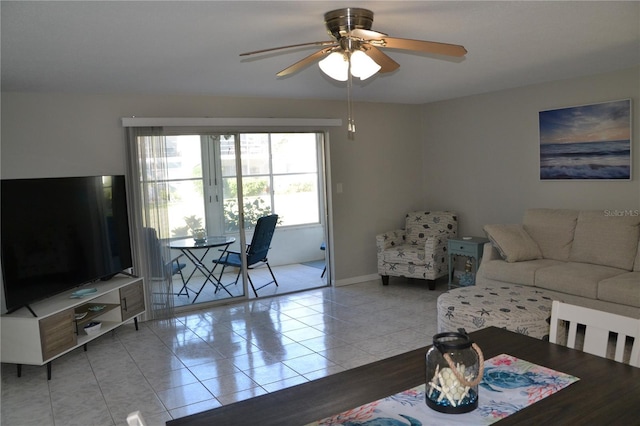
(19, 368)
(31, 340)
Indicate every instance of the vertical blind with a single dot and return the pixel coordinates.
(147, 187)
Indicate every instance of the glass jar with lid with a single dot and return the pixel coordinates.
(455, 365)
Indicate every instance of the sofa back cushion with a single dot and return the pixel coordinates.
(552, 230)
(422, 224)
(512, 242)
(605, 239)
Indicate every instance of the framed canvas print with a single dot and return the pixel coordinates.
(586, 142)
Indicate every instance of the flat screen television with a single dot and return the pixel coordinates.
(61, 233)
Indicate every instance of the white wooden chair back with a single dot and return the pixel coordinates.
(598, 325)
(135, 419)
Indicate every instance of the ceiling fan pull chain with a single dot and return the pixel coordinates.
(351, 123)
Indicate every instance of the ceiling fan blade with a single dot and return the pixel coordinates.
(304, 62)
(386, 63)
(420, 46)
(367, 34)
(313, 43)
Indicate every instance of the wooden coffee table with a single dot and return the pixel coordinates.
(607, 392)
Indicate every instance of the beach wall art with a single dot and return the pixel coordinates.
(586, 142)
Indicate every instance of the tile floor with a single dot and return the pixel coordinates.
(291, 278)
(201, 360)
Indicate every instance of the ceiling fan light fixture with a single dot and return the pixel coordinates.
(362, 66)
(336, 66)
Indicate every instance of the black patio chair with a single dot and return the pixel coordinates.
(160, 268)
(256, 251)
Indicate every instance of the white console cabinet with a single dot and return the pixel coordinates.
(54, 330)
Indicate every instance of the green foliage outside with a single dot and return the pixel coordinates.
(253, 210)
(300, 187)
(251, 188)
(192, 223)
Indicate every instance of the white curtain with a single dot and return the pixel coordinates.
(148, 196)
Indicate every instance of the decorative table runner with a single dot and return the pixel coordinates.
(509, 385)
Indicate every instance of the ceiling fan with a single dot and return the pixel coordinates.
(355, 50)
(351, 30)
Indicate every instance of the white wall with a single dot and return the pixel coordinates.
(477, 155)
(55, 134)
(481, 154)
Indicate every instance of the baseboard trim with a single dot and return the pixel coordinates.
(355, 280)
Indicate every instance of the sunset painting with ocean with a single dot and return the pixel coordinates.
(586, 142)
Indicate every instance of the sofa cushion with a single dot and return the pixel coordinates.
(606, 240)
(623, 289)
(636, 264)
(421, 224)
(405, 253)
(513, 242)
(552, 230)
(517, 273)
(579, 279)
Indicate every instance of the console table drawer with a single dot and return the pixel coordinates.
(463, 248)
(57, 333)
(132, 300)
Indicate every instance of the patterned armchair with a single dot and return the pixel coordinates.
(419, 250)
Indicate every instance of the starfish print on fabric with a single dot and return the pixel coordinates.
(449, 313)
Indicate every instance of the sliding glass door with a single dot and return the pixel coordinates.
(221, 184)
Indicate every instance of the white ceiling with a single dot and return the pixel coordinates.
(183, 47)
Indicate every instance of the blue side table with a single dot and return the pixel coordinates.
(471, 248)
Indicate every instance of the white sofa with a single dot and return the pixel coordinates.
(588, 258)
